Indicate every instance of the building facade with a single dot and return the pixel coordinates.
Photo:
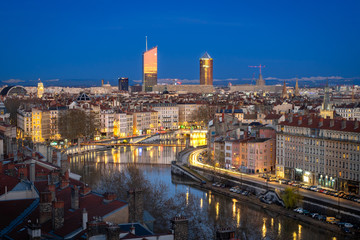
(149, 69)
(168, 115)
(319, 151)
(123, 84)
(206, 70)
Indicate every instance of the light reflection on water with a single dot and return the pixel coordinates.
(154, 161)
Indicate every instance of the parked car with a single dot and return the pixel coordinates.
(283, 181)
(314, 215)
(321, 217)
(305, 212)
(332, 220)
(348, 225)
(299, 210)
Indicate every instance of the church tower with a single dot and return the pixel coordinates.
(326, 108)
(297, 91)
(284, 93)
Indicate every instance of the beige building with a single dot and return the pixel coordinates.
(168, 115)
(319, 151)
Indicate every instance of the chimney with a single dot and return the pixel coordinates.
(64, 183)
(85, 190)
(84, 218)
(321, 122)
(75, 197)
(32, 172)
(23, 172)
(45, 207)
(34, 231)
(331, 122)
(58, 214)
(109, 197)
(136, 205)
(113, 232)
(310, 121)
(65, 165)
(55, 176)
(225, 234)
(300, 121)
(132, 229)
(52, 190)
(180, 228)
(343, 124)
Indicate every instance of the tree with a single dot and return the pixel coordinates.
(158, 202)
(204, 114)
(76, 123)
(12, 105)
(291, 197)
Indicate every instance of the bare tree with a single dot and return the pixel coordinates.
(204, 114)
(76, 123)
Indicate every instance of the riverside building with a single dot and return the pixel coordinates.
(319, 151)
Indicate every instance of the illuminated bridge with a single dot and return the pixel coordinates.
(134, 144)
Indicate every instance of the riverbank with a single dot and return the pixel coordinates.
(253, 200)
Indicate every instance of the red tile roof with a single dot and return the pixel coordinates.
(8, 181)
(337, 123)
(11, 209)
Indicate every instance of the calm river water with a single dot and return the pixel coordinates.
(154, 161)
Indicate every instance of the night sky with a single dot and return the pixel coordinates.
(71, 41)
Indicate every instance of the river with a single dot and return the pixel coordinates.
(154, 161)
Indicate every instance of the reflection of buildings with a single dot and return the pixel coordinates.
(149, 69)
(206, 70)
(319, 151)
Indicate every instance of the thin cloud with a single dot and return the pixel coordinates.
(13, 81)
(53, 80)
(313, 78)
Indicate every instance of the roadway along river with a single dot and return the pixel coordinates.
(155, 162)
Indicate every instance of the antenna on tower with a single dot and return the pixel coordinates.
(146, 42)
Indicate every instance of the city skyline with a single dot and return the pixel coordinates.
(303, 39)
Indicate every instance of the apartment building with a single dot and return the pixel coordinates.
(319, 151)
(24, 123)
(348, 111)
(120, 124)
(168, 115)
(107, 122)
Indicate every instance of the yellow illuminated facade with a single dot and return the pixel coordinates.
(40, 90)
(36, 125)
(206, 70)
(149, 69)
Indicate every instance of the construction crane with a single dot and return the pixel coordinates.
(260, 66)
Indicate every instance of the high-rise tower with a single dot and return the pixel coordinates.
(206, 70)
(149, 69)
(123, 84)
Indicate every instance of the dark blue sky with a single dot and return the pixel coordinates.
(71, 40)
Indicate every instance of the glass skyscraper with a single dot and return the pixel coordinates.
(124, 84)
(149, 69)
(206, 70)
